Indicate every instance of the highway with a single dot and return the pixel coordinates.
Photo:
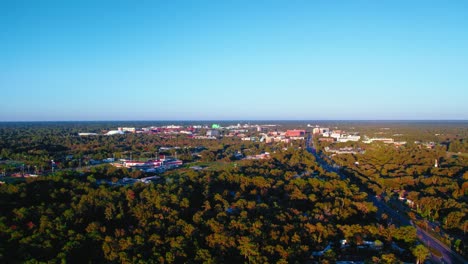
(399, 219)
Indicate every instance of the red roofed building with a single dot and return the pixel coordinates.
(295, 133)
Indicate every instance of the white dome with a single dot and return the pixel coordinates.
(115, 132)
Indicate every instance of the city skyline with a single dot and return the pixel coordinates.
(274, 60)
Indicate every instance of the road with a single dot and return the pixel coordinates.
(399, 219)
(448, 255)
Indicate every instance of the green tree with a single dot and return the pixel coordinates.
(421, 253)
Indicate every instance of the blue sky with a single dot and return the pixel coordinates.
(184, 60)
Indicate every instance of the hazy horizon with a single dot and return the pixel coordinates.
(244, 120)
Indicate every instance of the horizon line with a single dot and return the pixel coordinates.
(220, 120)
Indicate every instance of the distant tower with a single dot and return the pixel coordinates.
(436, 164)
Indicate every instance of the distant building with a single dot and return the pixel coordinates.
(323, 130)
(349, 138)
(345, 150)
(265, 155)
(399, 143)
(296, 138)
(173, 127)
(87, 134)
(114, 132)
(295, 133)
(326, 139)
(127, 129)
(173, 163)
(157, 163)
(336, 134)
(212, 133)
(384, 140)
(133, 163)
(204, 137)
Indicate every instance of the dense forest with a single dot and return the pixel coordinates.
(284, 209)
(277, 210)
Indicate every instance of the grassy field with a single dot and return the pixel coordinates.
(12, 179)
(215, 165)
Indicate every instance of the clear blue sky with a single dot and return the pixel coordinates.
(166, 60)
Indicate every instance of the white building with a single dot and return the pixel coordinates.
(127, 129)
(349, 138)
(384, 140)
(212, 133)
(335, 135)
(114, 132)
(87, 134)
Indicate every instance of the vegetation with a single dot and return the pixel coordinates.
(30, 147)
(285, 209)
(428, 182)
(260, 211)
